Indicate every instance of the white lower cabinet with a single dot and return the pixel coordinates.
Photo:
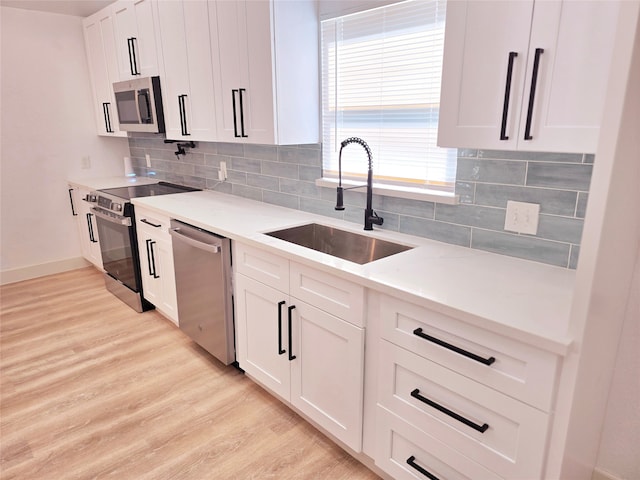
(458, 402)
(304, 354)
(404, 452)
(87, 227)
(156, 262)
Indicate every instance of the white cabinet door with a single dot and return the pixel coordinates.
(88, 230)
(578, 43)
(135, 33)
(266, 71)
(156, 263)
(495, 52)
(103, 69)
(479, 37)
(187, 83)
(242, 43)
(327, 372)
(262, 334)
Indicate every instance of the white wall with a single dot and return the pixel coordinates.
(619, 454)
(47, 127)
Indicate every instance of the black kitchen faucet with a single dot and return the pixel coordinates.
(370, 217)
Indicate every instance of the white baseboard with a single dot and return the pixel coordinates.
(602, 475)
(34, 271)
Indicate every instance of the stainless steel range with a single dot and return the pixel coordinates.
(115, 218)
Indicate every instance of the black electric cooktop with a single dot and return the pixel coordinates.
(137, 191)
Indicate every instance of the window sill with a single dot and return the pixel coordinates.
(396, 191)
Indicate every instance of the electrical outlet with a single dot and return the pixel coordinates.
(86, 162)
(522, 217)
(222, 174)
(148, 159)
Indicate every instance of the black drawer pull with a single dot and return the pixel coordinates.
(480, 428)
(280, 349)
(153, 259)
(291, 357)
(486, 361)
(411, 461)
(156, 225)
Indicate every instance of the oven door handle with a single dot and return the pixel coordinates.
(118, 219)
(180, 235)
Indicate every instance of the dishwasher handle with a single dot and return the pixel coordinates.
(180, 234)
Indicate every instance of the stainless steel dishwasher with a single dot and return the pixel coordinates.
(202, 262)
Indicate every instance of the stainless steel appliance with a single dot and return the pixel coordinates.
(202, 262)
(139, 105)
(115, 219)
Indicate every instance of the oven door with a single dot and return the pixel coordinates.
(118, 247)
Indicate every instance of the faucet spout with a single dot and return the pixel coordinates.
(370, 217)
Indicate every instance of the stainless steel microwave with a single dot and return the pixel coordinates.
(139, 105)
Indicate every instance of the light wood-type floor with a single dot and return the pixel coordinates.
(91, 389)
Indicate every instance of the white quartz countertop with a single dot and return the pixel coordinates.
(525, 300)
(110, 182)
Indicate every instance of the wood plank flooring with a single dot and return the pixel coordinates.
(91, 389)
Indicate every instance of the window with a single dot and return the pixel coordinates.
(381, 72)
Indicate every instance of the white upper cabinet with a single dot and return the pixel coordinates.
(135, 34)
(266, 71)
(187, 76)
(103, 69)
(526, 75)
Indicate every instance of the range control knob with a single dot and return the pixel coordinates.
(91, 197)
(117, 207)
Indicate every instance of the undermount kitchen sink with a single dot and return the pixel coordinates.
(339, 243)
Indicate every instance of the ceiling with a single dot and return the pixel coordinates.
(78, 8)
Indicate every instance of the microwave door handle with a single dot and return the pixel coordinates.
(144, 117)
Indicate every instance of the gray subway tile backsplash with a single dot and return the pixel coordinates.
(491, 171)
(554, 202)
(530, 248)
(559, 175)
(486, 180)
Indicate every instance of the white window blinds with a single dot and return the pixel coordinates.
(381, 74)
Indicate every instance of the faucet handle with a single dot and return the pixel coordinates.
(340, 199)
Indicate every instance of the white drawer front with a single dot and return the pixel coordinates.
(399, 443)
(156, 224)
(332, 294)
(517, 369)
(503, 434)
(263, 266)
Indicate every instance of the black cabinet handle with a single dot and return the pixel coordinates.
(183, 115)
(291, 357)
(507, 95)
(156, 225)
(73, 209)
(486, 361)
(147, 241)
(280, 350)
(411, 461)
(90, 225)
(242, 134)
(133, 61)
(107, 117)
(153, 259)
(480, 428)
(235, 115)
(532, 93)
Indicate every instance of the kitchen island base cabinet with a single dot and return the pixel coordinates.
(305, 355)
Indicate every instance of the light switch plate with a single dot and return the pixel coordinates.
(522, 217)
